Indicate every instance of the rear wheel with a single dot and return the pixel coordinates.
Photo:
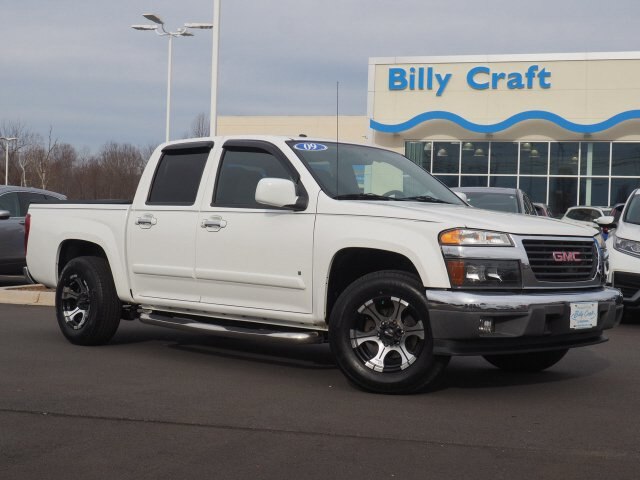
(526, 362)
(380, 334)
(87, 306)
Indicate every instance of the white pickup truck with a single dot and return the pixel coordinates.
(306, 241)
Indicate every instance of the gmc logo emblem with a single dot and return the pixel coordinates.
(566, 256)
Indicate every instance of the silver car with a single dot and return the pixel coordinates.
(14, 203)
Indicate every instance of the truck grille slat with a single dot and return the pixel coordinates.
(561, 260)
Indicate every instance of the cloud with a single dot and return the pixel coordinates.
(78, 66)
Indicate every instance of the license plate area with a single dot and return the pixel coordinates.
(583, 315)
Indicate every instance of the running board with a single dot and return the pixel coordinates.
(188, 324)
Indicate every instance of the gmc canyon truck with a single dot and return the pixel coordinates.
(290, 239)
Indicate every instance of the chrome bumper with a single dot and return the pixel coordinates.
(520, 321)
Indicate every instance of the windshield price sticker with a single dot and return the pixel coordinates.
(583, 315)
(310, 147)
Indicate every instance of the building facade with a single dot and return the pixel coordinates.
(565, 128)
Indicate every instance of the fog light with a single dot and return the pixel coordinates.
(486, 325)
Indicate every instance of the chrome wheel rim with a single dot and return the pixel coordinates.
(75, 302)
(387, 335)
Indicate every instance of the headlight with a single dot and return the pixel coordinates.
(629, 247)
(464, 237)
(465, 273)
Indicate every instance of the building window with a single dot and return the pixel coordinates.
(535, 187)
(534, 158)
(564, 158)
(594, 191)
(446, 157)
(621, 188)
(419, 153)
(475, 158)
(595, 158)
(563, 193)
(504, 158)
(625, 159)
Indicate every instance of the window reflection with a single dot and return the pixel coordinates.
(564, 158)
(533, 158)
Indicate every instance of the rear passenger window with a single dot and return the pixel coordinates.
(239, 174)
(178, 176)
(27, 198)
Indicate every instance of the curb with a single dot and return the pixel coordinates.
(27, 295)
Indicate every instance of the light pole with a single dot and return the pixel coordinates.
(6, 157)
(213, 114)
(180, 32)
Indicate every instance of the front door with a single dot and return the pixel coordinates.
(250, 255)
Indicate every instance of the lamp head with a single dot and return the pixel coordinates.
(144, 27)
(154, 18)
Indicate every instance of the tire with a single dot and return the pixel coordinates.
(380, 334)
(87, 306)
(526, 362)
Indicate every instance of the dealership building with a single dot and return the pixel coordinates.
(563, 127)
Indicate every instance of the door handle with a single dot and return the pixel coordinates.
(146, 221)
(213, 224)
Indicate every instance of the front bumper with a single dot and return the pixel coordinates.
(522, 322)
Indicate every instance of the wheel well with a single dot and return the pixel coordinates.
(71, 249)
(352, 263)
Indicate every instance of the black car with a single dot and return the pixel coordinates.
(14, 203)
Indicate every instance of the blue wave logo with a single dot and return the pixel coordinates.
(509, 122)
(310, 147)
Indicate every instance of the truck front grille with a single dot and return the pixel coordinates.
(562, 260)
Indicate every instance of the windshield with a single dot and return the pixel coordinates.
(502, 202)
(357, 172)
(632, 215)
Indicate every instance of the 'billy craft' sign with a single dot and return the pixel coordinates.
(478, 78)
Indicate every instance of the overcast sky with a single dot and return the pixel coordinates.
(77, 66)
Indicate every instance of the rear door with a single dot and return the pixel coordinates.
(161, 231)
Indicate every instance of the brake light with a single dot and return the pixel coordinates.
(27, 227)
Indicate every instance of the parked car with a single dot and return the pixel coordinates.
(511, 200)
(544, 210)
(624, 252)
(14, 203)
(585, 215)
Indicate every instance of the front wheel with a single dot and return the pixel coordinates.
(380, 334)
(87, 306)
(526, 362)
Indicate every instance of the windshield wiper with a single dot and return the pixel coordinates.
(363, 196)
(424, 198)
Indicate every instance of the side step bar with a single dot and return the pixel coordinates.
(188, 324)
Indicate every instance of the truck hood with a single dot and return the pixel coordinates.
(453, 216)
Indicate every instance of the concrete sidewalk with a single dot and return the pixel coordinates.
(28, 295)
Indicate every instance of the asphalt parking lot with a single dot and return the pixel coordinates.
(159, 403)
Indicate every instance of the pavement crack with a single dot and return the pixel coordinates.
(608, 454)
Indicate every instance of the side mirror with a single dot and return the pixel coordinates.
(278, 192)
(606, 220)
(462, 196)
(5, 214)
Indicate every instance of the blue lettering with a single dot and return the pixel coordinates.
(478, 71)
(515, 81)
(495, 79)
(531, 74)
(397, 79)
(443, 80)
(543, 75)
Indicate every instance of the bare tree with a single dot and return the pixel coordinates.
(199, 126)
(43, 159)
(25, 139)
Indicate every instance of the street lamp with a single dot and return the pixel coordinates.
(180, 32)
(6, 157)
